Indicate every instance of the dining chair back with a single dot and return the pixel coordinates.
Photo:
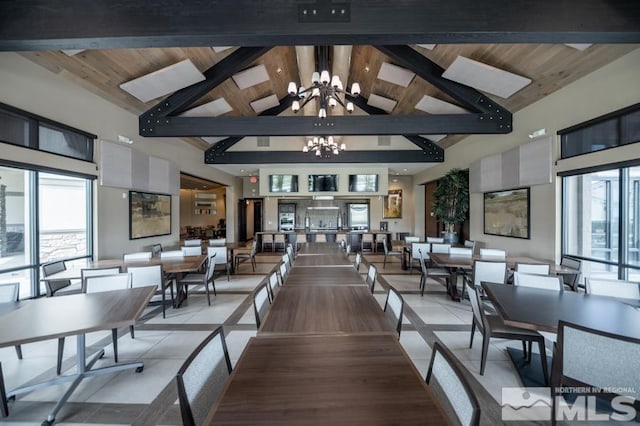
(96, 272)
(348, 250)
(489, 271)
(53, 268)
(613, 288)
(341, 238)
(461, 251)
(152, 275)
(221, 257)
(202, 377)
(533, 268)
(372, 273)
(291, 253)
(261, 302)
(171, 254)
(497, 253)
(141, 256)
(594, 359)
(410, 239)
(389, 253)
(193, 242)
(571, 280)
(440, 248)
(418, 249)
(283, 272)
(192, 250)
(436, 240)
(445, 372)
(156, 249)
(393, 308)
(286, 260)
(217, 242)
(279, 240)
(267, 240)
(196, 279)
(546, 282)
(378, 241)
(367, 242)
(470, 244)
(100, 283)
(320, 238)
(436, 273)
(9, 293)
(357, 262)
(274, 285)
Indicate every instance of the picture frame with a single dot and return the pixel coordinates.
(149, 214)
(507, 213)
(392, 204)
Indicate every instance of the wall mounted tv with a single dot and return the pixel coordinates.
(363, 183)
(283, 183)
(321, 183)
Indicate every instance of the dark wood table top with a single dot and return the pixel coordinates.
(323, 275)
(47, 318)
(332, 259)
(169, 266)
(325, 309)
(326, 380)
(538, 309)
(453, 261)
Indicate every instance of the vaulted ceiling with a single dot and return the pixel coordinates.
(140, 47)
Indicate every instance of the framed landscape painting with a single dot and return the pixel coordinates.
(506, 213)
(392, 208)
(149, 214)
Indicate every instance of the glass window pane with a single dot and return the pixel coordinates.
(62, 217)
(65, 142)
(591, 215)
(14, 129)
(23, 277)
(14, 220)
(630, 128)
(633, 217)
(598, 270)
(593, 138)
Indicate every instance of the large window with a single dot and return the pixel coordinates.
(601, 221)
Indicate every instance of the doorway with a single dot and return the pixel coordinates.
(249, 218)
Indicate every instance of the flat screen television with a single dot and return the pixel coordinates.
(363, 183)
(322, 183)
(283, 183)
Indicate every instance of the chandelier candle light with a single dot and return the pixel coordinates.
(326, 88)
(320, 145)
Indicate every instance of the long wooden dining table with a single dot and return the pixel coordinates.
(325, 354)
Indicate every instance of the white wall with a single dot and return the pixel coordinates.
(30, 87)
(610, 88)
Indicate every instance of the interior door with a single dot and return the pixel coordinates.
(242, 220)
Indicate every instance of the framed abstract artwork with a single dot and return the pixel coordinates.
(392, 207)
(149, 214)
(506, 213)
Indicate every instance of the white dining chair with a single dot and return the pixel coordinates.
(141, 256)
(546, 282)
(436, 240)
(221, 258)
(192, 250)
(193, 242)
(613, 288)
(497, 253)
(533, 268)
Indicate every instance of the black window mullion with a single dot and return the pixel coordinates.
(623, 205)
(35, 235)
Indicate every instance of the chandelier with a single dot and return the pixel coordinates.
(326, 88)
(322, 145)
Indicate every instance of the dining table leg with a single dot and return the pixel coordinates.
(452, 289)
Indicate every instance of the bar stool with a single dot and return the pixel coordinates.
(268, 239)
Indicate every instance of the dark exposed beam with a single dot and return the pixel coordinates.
(333, 125)
(81, 24)
(422, 143)
(430, 71)
(298, 157)
(214, 76)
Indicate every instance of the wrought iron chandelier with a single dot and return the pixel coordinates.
(323, 146)
(326, 88)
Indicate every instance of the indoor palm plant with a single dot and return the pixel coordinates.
(451, 201)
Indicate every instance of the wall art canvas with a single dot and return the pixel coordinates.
(392, 208)
(149, 214)
(506, 213)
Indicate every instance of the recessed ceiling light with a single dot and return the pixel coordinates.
(241, 170)
(394, 180)
(366, 68)
(397, 173)
(404, 170)
(279, 70)
(537, 133)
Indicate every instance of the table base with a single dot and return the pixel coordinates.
(83, 371)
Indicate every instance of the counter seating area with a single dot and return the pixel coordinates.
(319, 280)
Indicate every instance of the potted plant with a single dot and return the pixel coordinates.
(451, 202)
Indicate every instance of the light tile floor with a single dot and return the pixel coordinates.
(163, 344)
